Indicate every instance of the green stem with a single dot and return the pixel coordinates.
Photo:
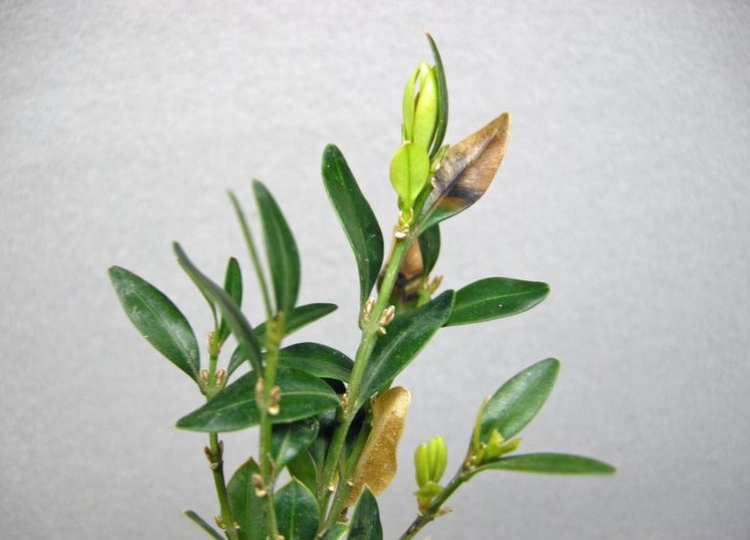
(370, 333)
(217, 468)
(433, 510)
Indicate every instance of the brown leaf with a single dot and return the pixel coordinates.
(467, 171)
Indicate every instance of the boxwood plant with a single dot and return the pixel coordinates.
(329, 422)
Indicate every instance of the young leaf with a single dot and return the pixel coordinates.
(365, 524)
(442, 90)
(281, 250)
(157, 319)
(494, 298)
(296, 512)
(405, 337)
(516, 403)
(466, 172)
(247, 508)
(233, 287)
(289, 440)
(316, 359)
(549, 463)
(410, 170)
(235, 407)
(229, 310)
(356, 216)
(195, 518)
(377, 464)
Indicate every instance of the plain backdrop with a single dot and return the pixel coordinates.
(625, 186)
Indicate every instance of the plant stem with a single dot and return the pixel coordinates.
(433, 510)
(370, 333)
(217, 468)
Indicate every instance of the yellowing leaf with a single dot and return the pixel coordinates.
(377, 463)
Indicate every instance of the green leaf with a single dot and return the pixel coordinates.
(247, 508)
(410, 170)
(305, 469)
(406, 336)
(157, 319)
(549, 463)
(429, 246)
(494, 298)
(229, 310)
(195, 518)
(301, 316)
(316, 359)
(336, 532)
(442, 89)
(365, 523)
(281, 250)
(235, 407)
(516, 403)
(356, 216)
(233, 287)
(289, 440)
(466, 172)
(296, 512)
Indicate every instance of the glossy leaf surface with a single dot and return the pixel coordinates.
(429, 246)
(289, 440)
(551, 463)
(466, 171)
(405, 337)
(247, 508)
(235, 408)
(365, 524)
(516, 403)
(296, 512)
(494, 298)
(229, 310)
(316, 359)
(233, 287)
(195, 518)
(357, 218)
(281, 250)
(157, 319)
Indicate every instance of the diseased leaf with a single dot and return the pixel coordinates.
(229, 310)
(195, 518)
(356, 216)
(157, 319)
(316, 359)
(247, 508)
(516, 403)
(289, 440)
(297, 512)
(233, 287)
(406, 336)
(235, 407)
(466, 172)
(550, 463)
(281, 250)
(494, 298)
(365, 524)
(376, 466)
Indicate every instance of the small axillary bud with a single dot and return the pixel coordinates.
(221, 378)
(387, 316)
(274, 402)
(367, 310)
(220, 523)
(259, 485)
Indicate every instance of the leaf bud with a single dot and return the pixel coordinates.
(420, 106)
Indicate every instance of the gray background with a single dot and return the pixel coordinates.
(625, 187)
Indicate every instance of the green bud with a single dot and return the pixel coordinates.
(422, 465)
(420, 106)
(437, 452)
(498, 446)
